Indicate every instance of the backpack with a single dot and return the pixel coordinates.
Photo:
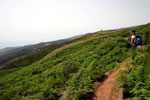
(138, 40)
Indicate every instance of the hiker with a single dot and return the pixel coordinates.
(135, 40)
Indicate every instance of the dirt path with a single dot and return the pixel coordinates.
(109, 90)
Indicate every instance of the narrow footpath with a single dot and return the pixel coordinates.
(109, 89)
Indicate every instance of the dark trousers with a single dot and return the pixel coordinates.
(130, 46)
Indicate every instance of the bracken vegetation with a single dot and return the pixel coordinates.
(32, 56)
(136, 80)
(72, 71)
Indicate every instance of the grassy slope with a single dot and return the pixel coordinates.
(33, 56)
(38, 54)
(136, 80)
(91, 55)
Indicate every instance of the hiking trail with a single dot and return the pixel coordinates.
(109, 89)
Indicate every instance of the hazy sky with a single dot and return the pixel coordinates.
(32, 21)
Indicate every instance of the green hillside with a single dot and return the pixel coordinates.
(71, 69)
(32, 56)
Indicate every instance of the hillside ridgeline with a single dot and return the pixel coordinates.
(71, 70)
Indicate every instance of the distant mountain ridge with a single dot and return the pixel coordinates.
(13, 52)
(7, 49)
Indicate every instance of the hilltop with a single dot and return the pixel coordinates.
(70, 71)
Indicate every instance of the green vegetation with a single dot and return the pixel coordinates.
(136, 84)
(71, 71)
(101, 59)
(136, 80)
(31, 57)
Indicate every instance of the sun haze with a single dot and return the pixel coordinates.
(25, 22)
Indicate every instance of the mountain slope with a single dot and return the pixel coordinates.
(9, 53)
(72, 70)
